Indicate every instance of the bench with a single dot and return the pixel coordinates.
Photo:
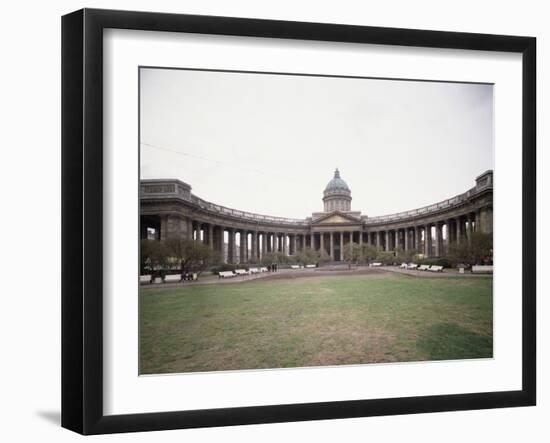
(145, 279)
(412, 266)
(254, 270)
(241, 272)
(436, 268)
(376, 263)
(482, 269)
(263, 269)
(226, 274)
(311, 266)
(423, 267)
(294, 267)
(172, 278)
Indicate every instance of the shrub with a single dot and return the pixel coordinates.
(386, 258)
(224, 267)
(436, 261)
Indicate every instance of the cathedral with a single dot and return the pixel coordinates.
(168, 209)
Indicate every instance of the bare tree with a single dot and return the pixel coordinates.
(153, 255)
(192, 256)
(476, 250)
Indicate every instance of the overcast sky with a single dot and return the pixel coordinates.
(270, 143)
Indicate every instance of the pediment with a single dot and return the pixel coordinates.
(336, 218)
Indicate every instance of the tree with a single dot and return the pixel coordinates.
(276, 257)
(324, 256)
(352, 254)
(192, 256)
(369, 253)
(405, 256)
(386, 258)
(476, 250)
(153, 255)
(308, 256)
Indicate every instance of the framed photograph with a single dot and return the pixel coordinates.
(268, 221)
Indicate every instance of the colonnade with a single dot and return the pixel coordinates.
(249, 245)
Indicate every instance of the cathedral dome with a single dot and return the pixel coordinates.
(337, 194)
(337, 183)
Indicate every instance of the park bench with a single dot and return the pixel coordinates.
(423, 267)
(412, 266)
(241, 272)
(311, 266)
(254, 270)
(226, 274)
(263, 269)
(172, 278)
(435, 268)
(482, 269)
(145, 279)
(376, 263)
(294, 267)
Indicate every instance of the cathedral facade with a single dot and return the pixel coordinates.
(168, 209)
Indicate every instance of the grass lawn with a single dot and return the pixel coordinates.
(315, 321)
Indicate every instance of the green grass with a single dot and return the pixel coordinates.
(313, 322)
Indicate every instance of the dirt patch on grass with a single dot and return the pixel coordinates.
(300, 274)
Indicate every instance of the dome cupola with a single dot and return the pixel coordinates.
(337, 195)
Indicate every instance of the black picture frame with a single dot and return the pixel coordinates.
(82, 215)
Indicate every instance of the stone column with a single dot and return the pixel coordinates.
(479, 222)
(331, 247)
(205, 232)
(341, 246)
(377, 233)
(242, 247)
(189, 229)
(265, 237)
(312, 241)
(220, 243)
(215, 238)
(275, 246)
(458, 231)
(360, 238)
(387, 240)
(321, 242)
(351, 243)
(211, 236)
(396, 237)
(448, 237)
(231, 245)
(486, 220)
(406, 234)
(254, 246)
(437, 239)
(428, 240)
(285, 244)
(469, 229)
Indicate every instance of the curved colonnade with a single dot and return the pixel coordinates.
(169, 210)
